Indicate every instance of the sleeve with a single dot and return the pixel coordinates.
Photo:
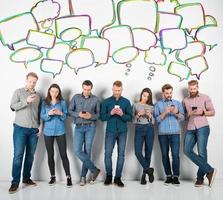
(127, 116)
(157, 113)
(43, 114)
(181, 110)
(64, 110)
(96, 113)
(209, 105)
(105, 114)
(17, 103)
(72, 107)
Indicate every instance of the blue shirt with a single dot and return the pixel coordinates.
(53, 124)
(116, 123)
(170, 124)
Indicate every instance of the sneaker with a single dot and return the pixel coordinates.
(210, 176)
(150, 174)
(69, 182)
(176, 181)
(118, 182)
(29, 182)
(94, 175)
(199, 182)
(143, 179)
(108, 180)
(13, 188)
(52, 180)
(82, 181)
(168, 180)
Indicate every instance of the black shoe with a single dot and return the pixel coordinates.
(118, 182)
(52, 180)
(143, 179)
(13, 188)
(108, 180)
(176, 181)
(29, 182)
(168, 180)
(69, 182)
(150, 174)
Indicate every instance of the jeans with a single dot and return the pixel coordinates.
(62, 145)
(83, 140)
(170, 142)
(199, 136)
(24, 139)
(144, 133)
(110, 140)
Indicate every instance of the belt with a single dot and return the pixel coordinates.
(85, 124)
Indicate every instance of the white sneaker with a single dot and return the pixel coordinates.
(82, 181)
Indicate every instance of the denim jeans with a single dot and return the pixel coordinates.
(83, 140)
(110, 140)
(172, 142)
(199, 137)
(144, 133)
(24, 139)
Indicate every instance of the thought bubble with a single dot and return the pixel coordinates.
(138, 14)
(15, 29)
(167, 5)
(119, 37)
(179, 70)
(156, 56)
(51, 66)
(81, 22)
(80, 58)
(193, 15)
(125, 55)
(173, 39)
(45, 10)
(168, 20)
(198, 65)
(210, 20)
(102, 14)
(193, 49)
(59, 52)
(41, 39)
(143, 38)
(70, 34)
(100, 48)
(207, 34)
(26, 55)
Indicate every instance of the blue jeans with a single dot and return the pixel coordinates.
(199, 136)
(144, 133)
(23, 139)
(170, 142)
(110, 140)
(83, 140)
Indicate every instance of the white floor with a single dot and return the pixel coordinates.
(132, 191)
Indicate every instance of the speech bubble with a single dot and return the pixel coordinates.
(70, 34)
(81, 22)
(138, 14)
(119, 37)
(26, 55)
(15, 29)
(41, 39)
(125, 55)
(179, 70)
(102, 14)
(210, 20)
(51, 66)
(143, 38)
(198, 65)
(173, 39)
(59, 52)
(155, 56)
(193, 49)
(168, 20)
(193, 15)
(167, 5)
(99, 46)
(208, 35)
(80, 58)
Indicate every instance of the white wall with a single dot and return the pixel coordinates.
(13, 74)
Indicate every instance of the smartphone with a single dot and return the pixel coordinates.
(194, 108)
(172, 106)
(84, 112)
(117, 106)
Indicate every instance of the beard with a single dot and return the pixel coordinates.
(193, 94)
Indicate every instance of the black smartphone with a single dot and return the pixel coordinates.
(194, 108)
(83, 112)
(172, 105)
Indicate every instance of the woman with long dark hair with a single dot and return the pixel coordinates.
(144, 132)
(53, 113)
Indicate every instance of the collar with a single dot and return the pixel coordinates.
(167, 100)
(115, 98)
(86, 97)
(198, 95)
(32, 91)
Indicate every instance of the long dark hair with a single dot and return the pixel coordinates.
(150, 97)
(59, 97)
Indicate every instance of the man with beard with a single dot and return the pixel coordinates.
(198, 107)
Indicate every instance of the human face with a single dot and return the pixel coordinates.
(193, 90)
(117, 91)
(87, 90)
(145, 97)
(167, 94)
(54, 92)
(31, 82)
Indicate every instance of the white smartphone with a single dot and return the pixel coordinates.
(117, 106)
